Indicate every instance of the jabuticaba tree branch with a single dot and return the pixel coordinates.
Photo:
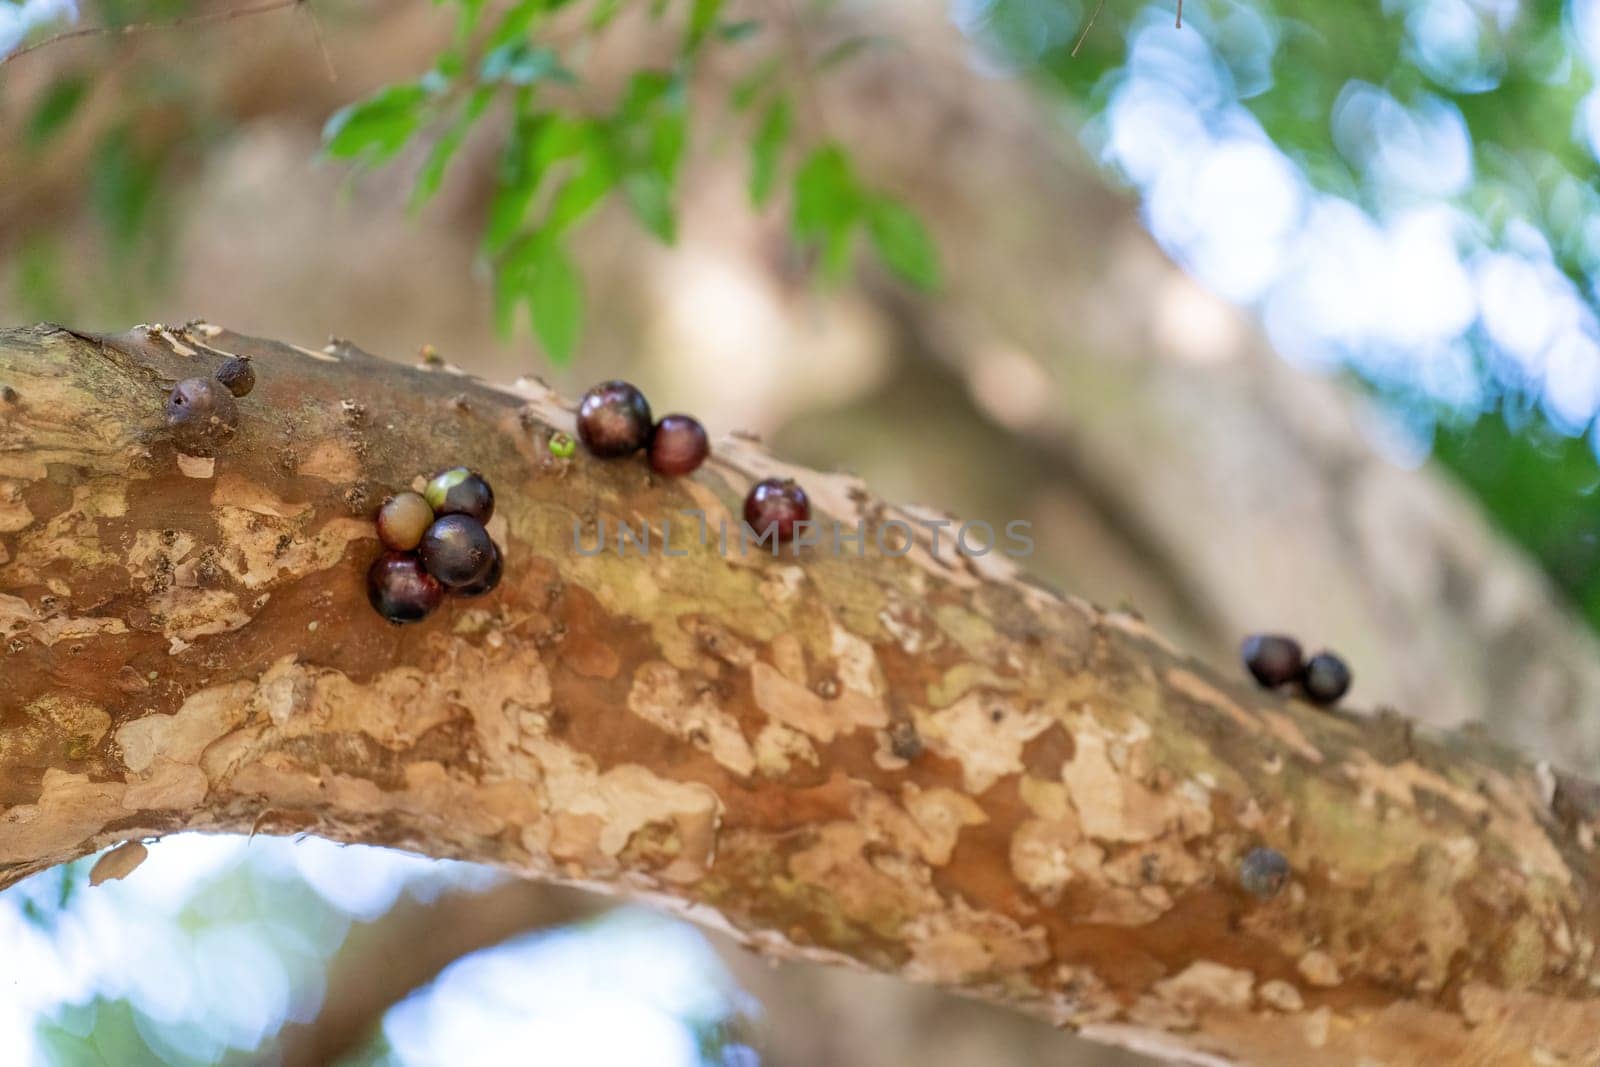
(919, 763)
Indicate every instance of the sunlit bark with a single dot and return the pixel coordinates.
(921, 764)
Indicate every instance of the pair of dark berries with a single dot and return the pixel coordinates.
(437, 544)
(1275, 660)
(201, 413)
(614, 421)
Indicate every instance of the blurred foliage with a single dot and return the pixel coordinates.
(133, 177)
(1480, 116)
(563, 155)
(1540, 485)
(212, 946)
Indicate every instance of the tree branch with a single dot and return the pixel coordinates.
(923, 766)
(384, 961)
(133, 28)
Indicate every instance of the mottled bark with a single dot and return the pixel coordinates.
(928, 768)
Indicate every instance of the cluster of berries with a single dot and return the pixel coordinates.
(1275, 660)
(200, 411)
(614, 421)
(437, 544)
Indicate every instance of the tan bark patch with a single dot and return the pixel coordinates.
(1205, 984)
(984, 733)
(796, 706)
(1318, 968)
(1281, 995)
(118, 863)
(14, 513)
(70, 808)
(201, 467)
(780, 747)
(1201, 691)
(660, 696)
(1113, 806)
(332, 461)
(960, 946)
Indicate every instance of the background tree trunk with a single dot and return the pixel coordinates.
(920, 764)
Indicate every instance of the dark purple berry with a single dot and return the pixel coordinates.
(459, 491)
(1326, 678)
(238, 375)
(614, 420)
(1273, 659)
(778, 502)
(8, 394)
(400, 590)
(457, 550)
(201, 415)
(490, 579)
(678, 445)
(402, 520)
(1264, 872)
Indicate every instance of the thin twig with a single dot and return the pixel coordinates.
(1180, 14)
(327, 57)
(141, 27)
(1087, 26)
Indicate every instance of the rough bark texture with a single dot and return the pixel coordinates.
(925, 767)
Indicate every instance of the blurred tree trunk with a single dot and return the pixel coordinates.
(384, 961)
(919, 763)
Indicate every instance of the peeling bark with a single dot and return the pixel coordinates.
(922, 767)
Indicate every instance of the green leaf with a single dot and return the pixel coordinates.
(903, 243)
(378, 127)
(507, 294)
(123, 186)
(766, 148)
(467, 20)
(445, 148)
(750, 88)
(847, 49)
(561, 137)
(536, 143)
(825, 191)
(702, 20)
(519, 63)
(555, 296)
(604, 11)
(734, 32)
(56, 107)
(593, 177)
(828, 204)
(515, 23)
(650, 197)
(647, 90)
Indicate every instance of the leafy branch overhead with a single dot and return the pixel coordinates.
(562, 156)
